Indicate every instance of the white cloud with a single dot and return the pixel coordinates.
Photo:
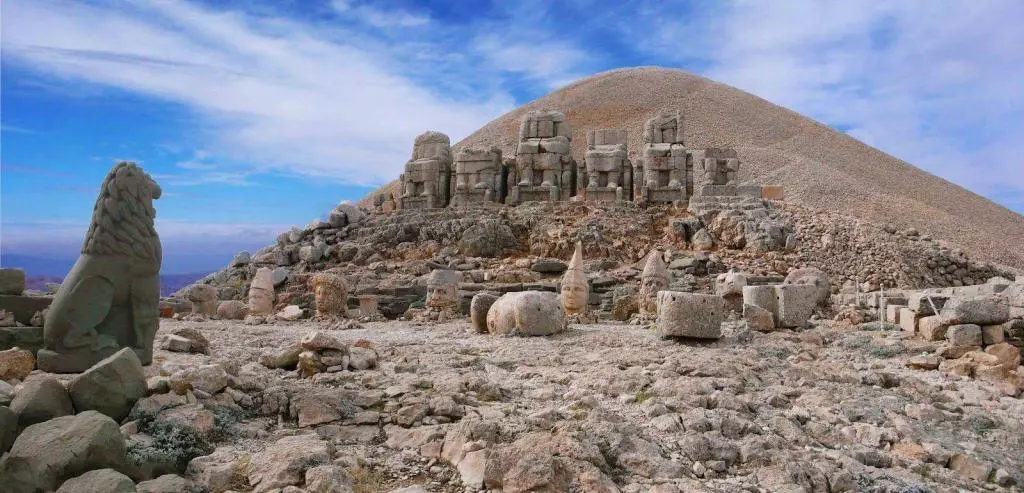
(378, 17)
(939, 84)
(274, 93)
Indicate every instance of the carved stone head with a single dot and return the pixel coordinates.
(261, 292)
(331, 294)
(575, 290)
(654, 278)
(442, 289)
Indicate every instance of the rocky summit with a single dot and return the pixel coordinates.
(582, 305)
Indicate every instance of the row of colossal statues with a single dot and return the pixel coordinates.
(544, 169)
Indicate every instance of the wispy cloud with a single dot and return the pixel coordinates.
(937, 83)
(4, 127)
(274, 93)
(377, 17)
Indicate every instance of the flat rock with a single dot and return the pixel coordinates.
(290, 313)
(111, 386)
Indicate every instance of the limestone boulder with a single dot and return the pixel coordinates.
(690, 315)
(530, 313)
(979, 310)
(111, 386)
(319, 340)
(198, 343)
(284, 462)
(99, 481)
(41, 399)
(207, 378)
(16, 364)
(1008, 354)
(811, 277)
(232, 310)
(88, 441)
(478, 309)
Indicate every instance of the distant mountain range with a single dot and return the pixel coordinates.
(41, 270)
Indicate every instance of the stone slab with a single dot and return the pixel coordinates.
(30, 338)
(23, 307)
(908, 319)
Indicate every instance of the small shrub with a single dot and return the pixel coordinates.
(856, 342)
(643, 395)
(773, 352)
(171, 445)
(878, 326)
(887, 351)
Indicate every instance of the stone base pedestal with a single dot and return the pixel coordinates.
(78, 362)
(534, 193)
(418, 202)
(28, 338)
(24, 307)
(662, 194)
(473, 196)
(603, 194)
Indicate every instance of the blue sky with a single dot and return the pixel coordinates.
(258, 115)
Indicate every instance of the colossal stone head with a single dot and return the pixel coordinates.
(331, 294)
(730, 284)
(261, 292)
(442, 289)
(575, 290)
(654, 278)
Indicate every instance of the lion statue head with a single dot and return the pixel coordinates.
(122, 221)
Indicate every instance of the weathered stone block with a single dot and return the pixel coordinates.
(932, 328)
(690, 315)
(980, 310)
(478, 309)
(796, 304)
(993, 334)
(964, 335)
(892, 313)
(12, 281)
(908, 319)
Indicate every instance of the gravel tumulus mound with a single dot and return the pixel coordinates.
(819, 166)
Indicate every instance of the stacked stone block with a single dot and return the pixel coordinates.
(544, 166)
(477, 176)
(607, 174)
(426, 181)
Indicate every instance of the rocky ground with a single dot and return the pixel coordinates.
(606, 408)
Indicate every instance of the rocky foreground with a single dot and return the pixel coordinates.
(437, 407)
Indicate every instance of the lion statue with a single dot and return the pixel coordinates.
(110, 298)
